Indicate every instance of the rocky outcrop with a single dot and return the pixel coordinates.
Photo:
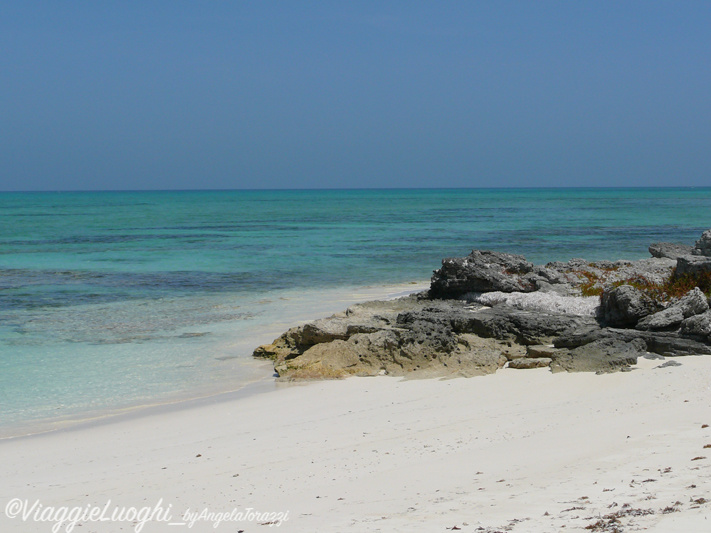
(594, 277)
(486, 272)
(692, 303)
(413, 334)
(669, 318)
(491, 309)
(698, 326)
(669, 250)
(500, 322)
(531, 362)
(670, 343)
(540, 351)
(520, 326)
(542, 300)
(397, 339)
(703, 245)
(481, 271)
(625, 305)
(692, 265)
(417, 337)
(603, 355)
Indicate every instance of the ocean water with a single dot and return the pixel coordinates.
(110, 300)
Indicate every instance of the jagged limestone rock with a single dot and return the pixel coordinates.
(669, 250)
(692, 265)
(625, 305)
(481, 271)
(531, 362)
(698, 325)
(666, 319)
(703, 245)
(604, 355)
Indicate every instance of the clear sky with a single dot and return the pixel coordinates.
(266, 94)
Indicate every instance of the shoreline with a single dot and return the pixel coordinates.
(336, 300)
(259, 386)
(529, 451)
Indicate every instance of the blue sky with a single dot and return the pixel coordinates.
(213, 94)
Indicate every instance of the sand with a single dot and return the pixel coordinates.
(521, 450)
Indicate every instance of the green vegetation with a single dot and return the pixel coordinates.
(593, 285)
(674, 287)
(679, 286)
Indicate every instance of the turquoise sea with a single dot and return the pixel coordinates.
(116, 299)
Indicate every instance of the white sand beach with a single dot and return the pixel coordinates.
(521, 450)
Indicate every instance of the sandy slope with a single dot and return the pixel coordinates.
(522, 450)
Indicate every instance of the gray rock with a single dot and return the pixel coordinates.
(653, 356)
(603, 274)
(672, 345)
(423, 338)
(477, 356)
(540, 350)
(698, 325)
(624, 306)
(668, 364)
(486, 271)
(481, 271)
(669, 250)
(582, 336)
(662, 343)
(604, 355)
(667, 319)
(563, 289)
(502, 322)
(703, 245)
(692, 303)
(531, 362)
(549, 275)
(323, 331)
(549, 280)
(692, 265)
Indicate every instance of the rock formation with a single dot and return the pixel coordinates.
(482, 271)
(491, 309)
(703, 245)
(669, 250)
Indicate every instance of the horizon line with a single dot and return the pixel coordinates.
(285, 189)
